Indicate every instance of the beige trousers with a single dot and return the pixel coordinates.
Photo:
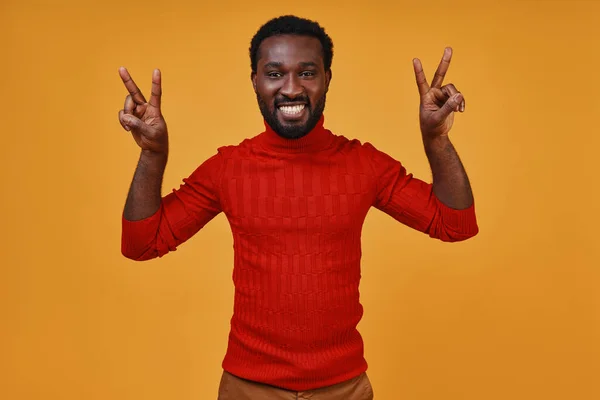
(234, 388)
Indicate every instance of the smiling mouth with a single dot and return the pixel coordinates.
(292, 110)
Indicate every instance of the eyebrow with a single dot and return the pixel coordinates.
(277, 64)
(273, 64)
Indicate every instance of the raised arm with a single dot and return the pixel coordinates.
(445, 208)
(153, 225)
(436, 114)
(148, 127)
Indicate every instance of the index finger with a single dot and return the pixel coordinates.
(440, 73)
(420, 76)
(134, 91)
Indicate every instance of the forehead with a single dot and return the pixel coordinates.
(290, 49)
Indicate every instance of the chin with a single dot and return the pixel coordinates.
(291, 129)
(293, 125)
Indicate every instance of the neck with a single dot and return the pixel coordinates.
(317, 139)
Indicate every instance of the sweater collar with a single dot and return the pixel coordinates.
(317, 139)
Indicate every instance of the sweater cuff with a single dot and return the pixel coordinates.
(463, 221)
(137, 235)
(141, 224)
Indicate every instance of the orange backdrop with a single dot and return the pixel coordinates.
(511, 314)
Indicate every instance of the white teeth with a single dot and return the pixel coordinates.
(292, 110)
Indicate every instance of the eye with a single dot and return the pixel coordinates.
(274, 74)
(307, 73)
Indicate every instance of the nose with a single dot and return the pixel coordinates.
(292, 87)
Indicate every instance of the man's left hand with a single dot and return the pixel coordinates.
(438, 103)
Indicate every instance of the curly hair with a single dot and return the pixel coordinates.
(291, 25)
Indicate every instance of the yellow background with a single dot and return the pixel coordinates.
(511, 314)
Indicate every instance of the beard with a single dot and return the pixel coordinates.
(294, 131)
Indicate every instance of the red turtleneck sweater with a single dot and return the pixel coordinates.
(296, 210)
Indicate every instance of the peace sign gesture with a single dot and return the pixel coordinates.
(438, 103)
(144, 119)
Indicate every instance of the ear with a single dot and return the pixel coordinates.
(328, 76)
(253, 79)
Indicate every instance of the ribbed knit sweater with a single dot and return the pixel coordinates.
(296, 208)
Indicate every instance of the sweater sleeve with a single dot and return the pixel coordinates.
(412, 202)
(182, 213)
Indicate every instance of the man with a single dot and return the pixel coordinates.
(296, 196)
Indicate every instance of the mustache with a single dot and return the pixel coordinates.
(284, 99)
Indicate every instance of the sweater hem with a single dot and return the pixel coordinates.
(312, 385)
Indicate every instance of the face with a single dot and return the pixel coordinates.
(291, 83)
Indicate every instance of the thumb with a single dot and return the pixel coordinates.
(450, 105)
(132, 122)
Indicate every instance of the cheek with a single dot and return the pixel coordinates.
(267, 100)
(315, 94)
(266, 92)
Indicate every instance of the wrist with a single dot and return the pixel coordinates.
(433, 141)
(154, 158)
(155, 155)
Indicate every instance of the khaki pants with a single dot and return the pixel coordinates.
(234, 388)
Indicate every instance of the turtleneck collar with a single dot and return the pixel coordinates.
(317, 139)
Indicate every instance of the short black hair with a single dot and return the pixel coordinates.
(291, 25)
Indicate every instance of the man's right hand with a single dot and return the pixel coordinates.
(144, 119)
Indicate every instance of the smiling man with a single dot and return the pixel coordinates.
(291, 107)
(296, 196)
